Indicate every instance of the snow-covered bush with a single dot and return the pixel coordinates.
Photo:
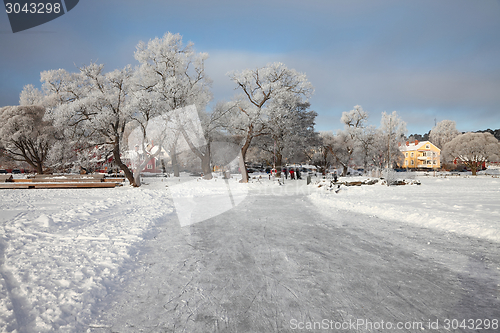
(390, 176)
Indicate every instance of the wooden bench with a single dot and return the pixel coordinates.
(93, 176)
(13, 185)
(114, 180)
(60, 181)
(28, 185)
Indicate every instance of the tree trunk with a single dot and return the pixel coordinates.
(279, 160)
(137, 178)
(175, 164)
(473, 168)
(365, 164)
(37, 166)
(325, 163)
(142, 165)
(205, 165)
(204, 157)
(123, 166)
(344, 170)
(137, 173)
(243, 167)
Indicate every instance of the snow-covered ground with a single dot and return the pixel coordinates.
(462, 204)
(63, 251)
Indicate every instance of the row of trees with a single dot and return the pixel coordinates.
(161, 105)
(360, 144)
(363, 145)
(469, 149)
(76, 112)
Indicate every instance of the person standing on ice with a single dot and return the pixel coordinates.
(292, 174)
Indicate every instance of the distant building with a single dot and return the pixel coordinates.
(420, 155)
(136, 157)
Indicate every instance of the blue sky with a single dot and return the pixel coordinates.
(426, 59)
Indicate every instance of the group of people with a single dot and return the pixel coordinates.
(294, 173)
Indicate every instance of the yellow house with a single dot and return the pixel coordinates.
(420, 155)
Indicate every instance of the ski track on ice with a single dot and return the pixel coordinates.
(254, 268)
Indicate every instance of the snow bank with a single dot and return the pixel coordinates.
(492, 170)
(64, 250)
(464, 205)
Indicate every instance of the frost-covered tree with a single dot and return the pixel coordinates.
(347, 140)
(473, 149)
(379, 154)
(195, 135)
(261, 86)
(355, 119)
(291, 131)
(310, 151)
(30, 96)
(392, 132)
(244, 122)
(325, 147)
(173, 73)
(171, 77)
(147, 143)
(342, 149)
(61, 87)
(26, 136)
(184, 129)
(92, 107)
(366, 144)
(443, 132)
(301, 137)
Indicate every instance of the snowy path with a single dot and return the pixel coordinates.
(273, 264)
(62, 251)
